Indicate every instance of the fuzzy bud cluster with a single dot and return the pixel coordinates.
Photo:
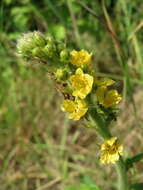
(34, 45)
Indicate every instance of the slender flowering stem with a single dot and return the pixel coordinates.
(120, 165)
(81, 88)
(122, 175)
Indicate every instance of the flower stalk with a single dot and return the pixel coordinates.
(123, 183)
(120, 165)
(85, 95)
(100, 125)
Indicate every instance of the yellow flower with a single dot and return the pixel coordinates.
(111, 150)
(107, 98)
(81, 83)
(76, 109)
(80, 58)
(112, 98)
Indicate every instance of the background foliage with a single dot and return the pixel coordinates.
(40, 148)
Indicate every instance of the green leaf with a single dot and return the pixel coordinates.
(132, 160)
(137, 186)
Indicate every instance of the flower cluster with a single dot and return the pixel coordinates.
(83, 91)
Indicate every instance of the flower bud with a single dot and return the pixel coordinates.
(60, 46)
(39, 39)
(61, 74)
(49, 39)
(38, 53)
(64, 56)
(25, 44)
(30, 41)
(50, 50)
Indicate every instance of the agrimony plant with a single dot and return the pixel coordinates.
(85, 96)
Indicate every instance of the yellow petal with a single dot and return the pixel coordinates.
(79, 71)
(111, 150)
(79, 58)
(81, 83)
(76, 109)
(68, 106)
(112, 98)
(100, 93)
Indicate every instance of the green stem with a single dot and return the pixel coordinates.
(103, 130)
(101, 127)
(122, 175)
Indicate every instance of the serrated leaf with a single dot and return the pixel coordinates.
(132, 160)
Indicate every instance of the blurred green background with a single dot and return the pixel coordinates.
(39, 148)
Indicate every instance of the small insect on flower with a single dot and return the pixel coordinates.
(111, 150)
(76, 109)
(79, 58)
(81, 83)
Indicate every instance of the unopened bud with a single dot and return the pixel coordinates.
(25, 44)
(50, 39)
(39, 39)
(28, 42)
(50, 50)
(60, 46)
(61, 74)
(38, 53)
(64, 56)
